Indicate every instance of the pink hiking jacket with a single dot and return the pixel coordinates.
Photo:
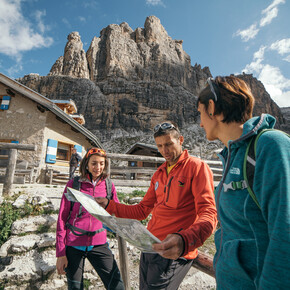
(64, 237)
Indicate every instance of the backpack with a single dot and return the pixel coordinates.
(250, 163)
(77, 185)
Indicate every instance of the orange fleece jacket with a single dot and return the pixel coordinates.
(182, 202)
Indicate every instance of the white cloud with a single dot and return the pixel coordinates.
(276, 85)
(248, 33)
(282, 46)
(269, 13)
(82, 19)
(18, 33)
(259, 55)
(154, 2)
(15, 69)
(256, 65)
(273, 5)
(38, 16)
(91, 4)
(66, 22)
(287, 58)
(272, 78)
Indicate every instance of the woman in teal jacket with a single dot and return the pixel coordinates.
(253, 241)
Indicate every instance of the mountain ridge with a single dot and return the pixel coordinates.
(128, 81)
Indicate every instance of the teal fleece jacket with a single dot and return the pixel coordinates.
(253, 245)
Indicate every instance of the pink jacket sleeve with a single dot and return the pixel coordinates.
(61, 221)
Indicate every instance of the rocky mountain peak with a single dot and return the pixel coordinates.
(74, 62)
(154, 31)
(144, 54)
(130, 80)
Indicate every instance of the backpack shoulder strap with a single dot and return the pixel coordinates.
(250, 164)
(76, 185)
(109, 188)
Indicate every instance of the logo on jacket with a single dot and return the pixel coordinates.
(156, 185)
(181, 183)
(235, 170)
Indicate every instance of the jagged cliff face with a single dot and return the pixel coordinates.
(128, 81)
(145, 54)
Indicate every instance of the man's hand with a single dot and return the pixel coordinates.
(102, 201)
(171, 248)
(61, 264)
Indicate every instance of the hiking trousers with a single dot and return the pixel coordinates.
(72, 170)
(101, 258)
(157, 272)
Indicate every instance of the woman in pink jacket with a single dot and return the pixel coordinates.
(80, 235)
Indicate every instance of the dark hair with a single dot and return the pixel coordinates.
(173, 131)
(234, 99)
(84, 165)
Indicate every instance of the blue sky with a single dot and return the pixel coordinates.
(229, 36)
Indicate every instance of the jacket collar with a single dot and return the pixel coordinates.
(184, 155)
(250, 128)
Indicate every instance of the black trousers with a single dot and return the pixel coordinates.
(101, 258)
(157, 272)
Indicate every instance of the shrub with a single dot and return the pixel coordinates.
(8, 216)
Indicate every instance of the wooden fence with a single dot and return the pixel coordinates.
(11, 165)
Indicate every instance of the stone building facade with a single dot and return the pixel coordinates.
(27, 117)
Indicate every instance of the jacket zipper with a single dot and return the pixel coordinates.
(168, 186)
(91, 238)
(226, 169)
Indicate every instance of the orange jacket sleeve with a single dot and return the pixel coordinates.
(139, 211)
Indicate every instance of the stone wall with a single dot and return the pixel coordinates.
(23, 122)
(26, 123)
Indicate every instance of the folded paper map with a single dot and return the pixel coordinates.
(129, 229)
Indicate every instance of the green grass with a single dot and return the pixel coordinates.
(209, 246)
(8, 217)
(87, 284)
(135, 193)
(9, 214)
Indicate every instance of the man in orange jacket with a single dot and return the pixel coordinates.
(181, 200)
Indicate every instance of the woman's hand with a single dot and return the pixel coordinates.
(171, 247)
(102, 201)
(61, 264)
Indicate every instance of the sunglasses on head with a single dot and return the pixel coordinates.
(209, 82)
(96, 150)
(163, 127)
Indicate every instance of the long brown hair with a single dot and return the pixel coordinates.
(85, 161)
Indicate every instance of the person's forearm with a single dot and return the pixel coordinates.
(138, 211)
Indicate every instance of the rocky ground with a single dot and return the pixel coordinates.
(36, 251)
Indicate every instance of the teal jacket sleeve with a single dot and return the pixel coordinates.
(272, 188)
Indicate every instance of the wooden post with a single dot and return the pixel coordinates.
(10, 171)
(124, 264)
(204, 263)
(50, 175)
